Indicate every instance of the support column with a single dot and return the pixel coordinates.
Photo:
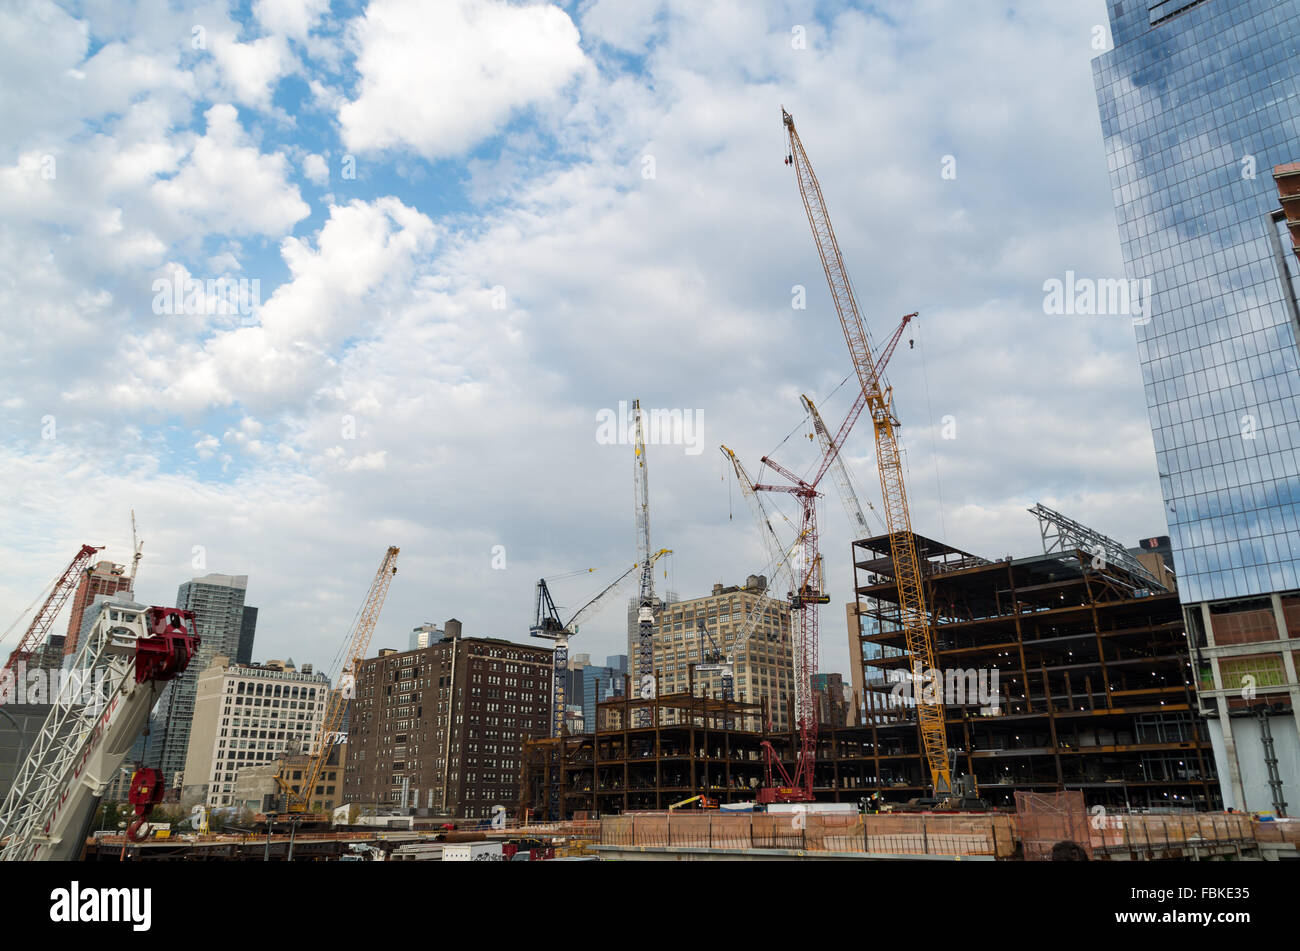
(1288, 659)
(1225, 721)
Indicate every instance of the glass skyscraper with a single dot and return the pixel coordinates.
(1199, 100)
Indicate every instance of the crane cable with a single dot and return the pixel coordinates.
(934, 446)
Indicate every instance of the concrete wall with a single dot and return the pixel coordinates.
(1247, 738)
(19, 724)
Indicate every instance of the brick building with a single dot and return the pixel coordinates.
(441, 728)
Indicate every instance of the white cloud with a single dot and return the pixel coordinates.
(293, 18)
(316, 170)
(439, 78)
(250, 71)
(228, 185)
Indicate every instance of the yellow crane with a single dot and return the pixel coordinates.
(898, 520)
(362, 630)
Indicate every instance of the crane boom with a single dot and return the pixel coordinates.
(840, 473)
(775, 551)
(879, 397)
(547, 624)
(341, 696)
(43, 620)
(103, 702)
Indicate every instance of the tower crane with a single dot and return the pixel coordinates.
(298, 800)
(103, 702)
(647, 604)
(879, 398)
(43, 620)
(548, 625)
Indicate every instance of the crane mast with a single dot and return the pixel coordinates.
(646, 603)
(364, 628)
(879, 398)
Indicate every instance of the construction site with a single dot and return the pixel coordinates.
(1020, 708)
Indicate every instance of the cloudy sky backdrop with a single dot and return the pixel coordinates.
(477, 225)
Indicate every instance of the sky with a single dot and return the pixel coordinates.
(296, 281)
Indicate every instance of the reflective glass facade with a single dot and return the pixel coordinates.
(1199, 101)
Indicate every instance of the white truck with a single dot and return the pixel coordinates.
(473, 852)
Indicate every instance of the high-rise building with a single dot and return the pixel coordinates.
(218, 604)
(442, 727)
(248, 715)
(424, 635)
(829, 694)
(764, 666)
(1199, 100)
(247, 632)
(104, 578)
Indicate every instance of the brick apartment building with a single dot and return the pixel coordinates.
(440, 729)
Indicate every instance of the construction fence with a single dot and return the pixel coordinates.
(991, 834)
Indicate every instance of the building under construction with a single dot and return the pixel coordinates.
(1090, 660)
(1062, 671)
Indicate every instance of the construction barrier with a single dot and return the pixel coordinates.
(989, 834)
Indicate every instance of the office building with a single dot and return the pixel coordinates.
(248, 715)
(1199, 102)
(247, 633)
(440, 728)
(218, 604)
(424, 635)
(764, 665)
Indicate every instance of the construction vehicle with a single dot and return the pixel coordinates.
(103, 703)
(703, 802)
(878, 396)
(362, 852)
(296, 797)
(43, 620)
(548, 625)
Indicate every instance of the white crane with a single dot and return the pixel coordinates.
(101, 706)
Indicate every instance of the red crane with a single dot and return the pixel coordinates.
(805, 596)
(58, 597)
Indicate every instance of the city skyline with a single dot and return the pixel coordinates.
(480, 328)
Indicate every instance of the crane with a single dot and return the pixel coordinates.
(547, 625)
(879, 399)
(363, 628)
(112, 684)
(137, 552)
(807, 590)
(761, 516)
(848, 497)
(646, 601)
(43, 620)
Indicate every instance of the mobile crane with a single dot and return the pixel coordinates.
(296, 799)
(879, 399)
(102, 705)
